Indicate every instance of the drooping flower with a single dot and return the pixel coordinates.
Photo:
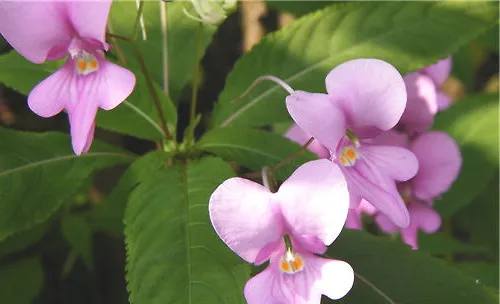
(425, 98)
(211, 11)
(365, 97)
(289, 228)
(439, 165)
(52, 30)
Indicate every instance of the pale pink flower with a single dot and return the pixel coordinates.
(289, 228)
(425, 98)
(52, 30)
(365, 97)
(439, 164)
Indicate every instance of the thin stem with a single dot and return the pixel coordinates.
(149, 81)
(283, 162)
(119, 52)
(274, 79)
(196, 81)
(164, 32)
(375, 288)
(139, 21)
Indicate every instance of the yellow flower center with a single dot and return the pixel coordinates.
(86, 63)
(348, 156)
(291, 262)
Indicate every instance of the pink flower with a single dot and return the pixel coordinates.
(440, 161)
(289, 228)
(354, 215)
(51, 30)
(365, 97)
(425, 98)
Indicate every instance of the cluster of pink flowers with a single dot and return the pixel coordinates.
(52, 30)
(377, 157)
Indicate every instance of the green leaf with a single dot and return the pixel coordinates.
(181, 42)
(473, 123)
(76, 231)
(38, 172)
(21, 282)
(22, 240)
(108, 215)
(254, 149)
(298, 8)
(409, 35)
(390, 272)
(21, 75)
(440, 243)
(484, 273)
(173, 253)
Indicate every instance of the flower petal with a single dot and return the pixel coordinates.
(245, 217)
(115, 84)
(51, 95)
(314, 201)
(422, 217)
(385, 224)
(378, 190)
(398, 163)
(296, 134)
(265, 288)
(371, 91)
(353, 220)
(337, 278)
(392, 138)
(443, 100)
(89, 18)
(439, 164)
(316, 115)
(82, 120)
(439, 71)
(422, 103)
(33, 28)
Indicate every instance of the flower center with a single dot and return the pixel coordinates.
(85, 63)
(348, 156)
(291, 262)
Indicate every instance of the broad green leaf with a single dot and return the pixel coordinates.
(484, 273)
(299, 7)
(21, 282)
(181, 40)
(108, 215)
(173, 253)
(22, 240)
(390, 272)
(254, 149)
(473, 123)
(76, 231)
(38, 172)
(440, 243)
(409, 35)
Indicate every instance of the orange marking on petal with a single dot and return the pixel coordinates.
(297, 263)
(94, 64)
(81, 65)
(285, 266)
(343, 160)
(350, 153)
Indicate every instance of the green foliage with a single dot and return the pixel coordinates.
(173, 253)
(441, 243)
(22, 240)
(298, 8)
(181, 41)
(254, 149)
(20, 282)
(45, 164)
(389, 272)
(484, 273)
(409, 35)
(76, 231)
(473, 123)
(108, 215)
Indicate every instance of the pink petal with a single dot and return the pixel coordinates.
(421, 217)
(33, 28)
(115, 84)
(439, 71)
(444, 101)
(392, 138)
(319, 276)
(398, 163)
(353, 220)
(315, 201)
(371, 91)
(385, 224)
(439, 164)
(422, 103)
(245, 217)
(51, 95)
(296, 134)
(82, 119)
(316, 115)
(377, 189)
(89, 18)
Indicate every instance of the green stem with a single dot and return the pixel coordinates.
(196, 76)
(149, 82)
(164, 31)
(137, 20)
